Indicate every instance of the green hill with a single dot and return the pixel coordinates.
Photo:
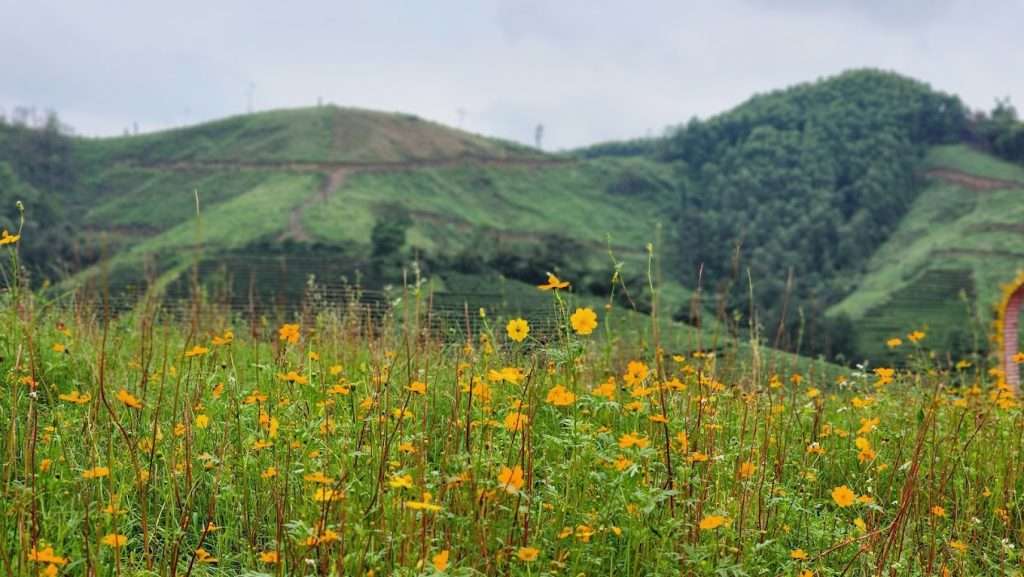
(941, 270)
(850, 209)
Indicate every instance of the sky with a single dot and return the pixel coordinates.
(588, 70)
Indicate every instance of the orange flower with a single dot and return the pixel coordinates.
(799, 554)
(76, 398)
(560, 396)
(527, 554)
(553, 283)
(289, 333)
(440, 561)
(633, 440)
(843, 496)
(95, 473)
(196, 351)
(269, 557)
(747, 469)
(712, 522)
(511, 479)
(128, 399)
(426, 504)
(8, 238)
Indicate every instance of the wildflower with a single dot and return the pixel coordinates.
(518, 329)
(46, 556)
(884, 375)
(288, 333)
(622, 463)
(226, 339)
(325, 495)
(553, 283)
(894, 342)
(712, 522)
(204, 556)
(813, 393)
(8, 238)
(683, 441)
(747, 470)
(76, 398)
(114, 540)
(269, 473)
(636, 372)
(843, 496)
(798, 554)
(196, 351)
(560, 396)
(868, 425)
(425, 505)
(516, 421)
(527, 554)
(318, 477)
(938, 511)
(269, 557)
(95, 473)
(697, 457)
(128, 399)
(511, 479)
(633, 440)
(861, 525)
(959, 546)
(584, 321)
(916, 336)
(59, 348)
(605, 389)
(218, 390)
(440, 561)
(261, 444)
(418, 388)
(401, 482)
(202, 421)
(1018, 358)
(293, 377)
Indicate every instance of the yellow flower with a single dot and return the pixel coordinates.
(712, 522)
(518, 329)
(288, 333)
(269, 557)
(893, 342)
(584, 321)
(114, 540)
(511, 479)
(59, 348)
(225, 339)
(76, 398)
(293, 377)
(204, 556)
(325, 495)
(812, 393)
(636, 372)
(269, 473)
(418, 387)
(884, 375)
(196, 351)
(8, 238)
(527, 554)
(938, 511)
(46, 556)
(202, 421)
(628, 440)
(916, 336)
(868, 425)
(959, 546)
(516, 421)
(553, 283)
(95, 473)
(747, 469)
(605, 389)
(798, 554)
(401, 482)
(843, 496)
(425, 505)
(128, 399)
(560, 396)
(440, 561)
(1018, 358)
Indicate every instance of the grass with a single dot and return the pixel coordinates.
(324, 444)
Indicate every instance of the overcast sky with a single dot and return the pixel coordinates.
(588, 70)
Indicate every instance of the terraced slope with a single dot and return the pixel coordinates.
(942, 268)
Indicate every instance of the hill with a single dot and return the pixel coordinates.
(942, 268)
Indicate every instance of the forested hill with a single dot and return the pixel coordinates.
(801, 186)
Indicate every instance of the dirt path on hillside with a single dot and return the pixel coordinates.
(328, 167)
(972, 181)
(296, 230)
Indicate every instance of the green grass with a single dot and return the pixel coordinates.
(972, 161)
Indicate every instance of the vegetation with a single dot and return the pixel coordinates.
(336, 444)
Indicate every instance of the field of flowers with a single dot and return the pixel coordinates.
(335, 445)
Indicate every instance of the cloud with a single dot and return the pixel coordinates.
(588, 70)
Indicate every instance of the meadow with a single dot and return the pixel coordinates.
(191, 441)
